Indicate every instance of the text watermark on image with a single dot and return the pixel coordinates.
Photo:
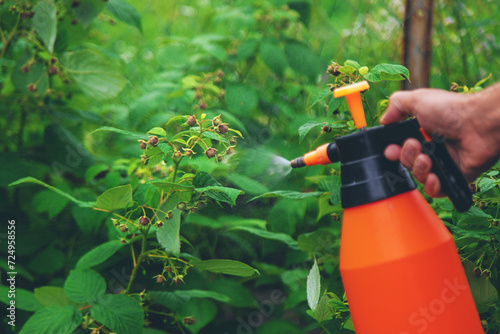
(11, 274)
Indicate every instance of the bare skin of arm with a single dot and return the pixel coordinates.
(469, 124)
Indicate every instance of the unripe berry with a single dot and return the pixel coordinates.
(177, 154)
(220, 74)
(494, 222)
(75, 4)
(345, 79)
(230, 150)
(453, 87)
(223, 128)
(233, 141)
(142, 144)
(74, 22)
(169, 215)
(188, 152)
(202, 105)
(123, 228)
(192, 210)
(181, 206)
(216, 121)
(219, 158)
(333, 69)
(32, 88)
(153, 140)
(474, 188)
(177, 280)
(159, 223)
(189, 321)
(477, 272)
(191, 121)
(326, 128)
(210, 152)
(160, 279)
(53, 70)
(23, 15)
(25, 69)
(144, 220)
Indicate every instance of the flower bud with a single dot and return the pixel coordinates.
(153, 140)
(223, 128)
(216, 121)
(210, 152)
(191, 121)
(144, 220)
(142, 144)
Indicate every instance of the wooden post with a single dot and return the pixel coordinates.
(417, 42)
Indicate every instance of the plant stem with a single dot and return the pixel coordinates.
(141, 257)
(369, 109)
(11, 35)
(324, 328)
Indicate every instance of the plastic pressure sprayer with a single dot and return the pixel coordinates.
(399, 264)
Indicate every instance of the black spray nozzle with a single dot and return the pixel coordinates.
(297, 163)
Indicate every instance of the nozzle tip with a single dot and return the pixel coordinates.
(297, 163)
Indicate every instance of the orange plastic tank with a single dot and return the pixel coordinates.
(401, 271)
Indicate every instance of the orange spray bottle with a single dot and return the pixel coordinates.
(399, 264)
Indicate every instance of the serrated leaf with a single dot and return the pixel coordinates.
(25, 300)
(53, 320)
(115, 198)
(45, 23)
(203, 179)
(313, 286)
(229, 267)
(285, 238)
(482, 289)
(52, 295)
(84, 286)
(205, 294)
(204, 311)
(125, 12)
(221, 194)
(120, 313)
(347, 69)
(214, 136)
(390, 72)
(320, 96)
(303, 61)
(99, 254)
(167, 186)
(157, 131)
(287, 194)
(168, 235)
(323, 311)
(304, 129)
(60, 192)
(95, 75)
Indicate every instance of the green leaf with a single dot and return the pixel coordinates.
(317, 242)
(171, 300)
(99, 254)
(24, 299)
(352, 63)
(313, 286)
(45, 23)
(49, 202)
(320, 96)
(95, 75)
(84, 286)
(248, 184)
(203, 179)
(120, 313)
(88, 10)
(60, 192)
(241, 99)
(274, 57)
(205, 294)
(347, 69)
(482, 289)
(53, 320)
(323, 311)
(167, 186)
(157, 131)
(168, 235)
(221, 194)
(214, 136)
(52, 295)
(285, 238)
(115, 198)
(482, 81)
(279, 326)
(204, 311)
(125, 12)
(288, 194)
(304, 129)
(120, 131)
(238, 295)
(229, 267)
(389, 72)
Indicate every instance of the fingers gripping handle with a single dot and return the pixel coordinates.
(453, 182)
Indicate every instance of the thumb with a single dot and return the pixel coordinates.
(400, 106)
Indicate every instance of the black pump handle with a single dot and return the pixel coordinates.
(453, 182)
